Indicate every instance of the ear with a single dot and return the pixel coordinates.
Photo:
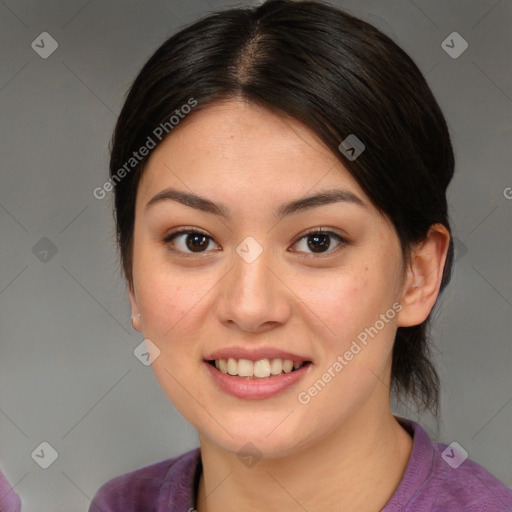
(423, 277)
(136, 316)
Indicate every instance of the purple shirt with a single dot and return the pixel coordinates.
(9, 499)
(437, 479)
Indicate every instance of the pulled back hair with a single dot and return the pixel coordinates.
(336, 74)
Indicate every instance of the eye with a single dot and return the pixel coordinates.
(191, 239)
(318, 240)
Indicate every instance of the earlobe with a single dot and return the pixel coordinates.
(423, 276)
(136, 315)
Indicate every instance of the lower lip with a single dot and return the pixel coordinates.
(256, 388)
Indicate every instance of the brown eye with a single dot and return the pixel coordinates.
(320, 241)
(188, 241)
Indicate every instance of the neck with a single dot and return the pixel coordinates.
(356, 468)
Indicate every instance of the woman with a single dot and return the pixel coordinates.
(280, 179)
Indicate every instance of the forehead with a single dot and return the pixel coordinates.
(241, 121)
(246, 147)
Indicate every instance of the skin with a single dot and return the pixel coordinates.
(345, 441)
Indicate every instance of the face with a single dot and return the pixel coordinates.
(248, 276)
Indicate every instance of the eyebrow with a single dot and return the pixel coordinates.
(201, 203)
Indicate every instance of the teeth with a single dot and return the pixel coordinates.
(287, 366)
(260, 369)
(276, 367)
(245, 368)
(232, 366)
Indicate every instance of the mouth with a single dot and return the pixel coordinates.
(266, 368)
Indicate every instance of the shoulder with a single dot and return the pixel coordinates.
(140, 490)
(463, 484)
(442, 477)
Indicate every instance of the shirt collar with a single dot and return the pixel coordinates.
(419, 466)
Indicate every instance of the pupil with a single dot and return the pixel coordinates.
(323, 240)
(193, 238)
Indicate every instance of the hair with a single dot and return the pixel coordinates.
(336, 74)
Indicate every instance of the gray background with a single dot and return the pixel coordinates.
(68, 375)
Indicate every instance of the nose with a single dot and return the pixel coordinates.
(253, 296)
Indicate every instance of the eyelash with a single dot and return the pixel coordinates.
(342, 241)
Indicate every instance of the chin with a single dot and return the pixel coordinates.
(258, 439)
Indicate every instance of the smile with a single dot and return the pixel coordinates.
(247, 379)
(261, 369)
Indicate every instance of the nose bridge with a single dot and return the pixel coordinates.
(252, 269)
(251, 280)
(251, 296)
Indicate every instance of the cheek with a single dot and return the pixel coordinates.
(341, 299)
(162, 303)
(173, 304)
(164, 295)
(356, 344)
(349, 304)
(169, 306)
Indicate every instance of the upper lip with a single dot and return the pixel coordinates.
(255, 354)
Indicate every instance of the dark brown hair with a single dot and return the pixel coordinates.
(339, 76)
